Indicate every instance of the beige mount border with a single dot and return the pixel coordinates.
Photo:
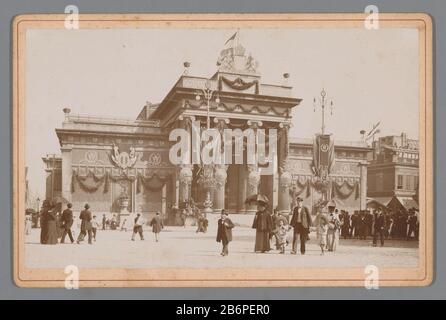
(420, 276)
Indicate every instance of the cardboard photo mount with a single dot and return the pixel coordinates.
(246, 277)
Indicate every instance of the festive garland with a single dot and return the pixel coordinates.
(238, 84)
(147, 183)
(337, 192)
(106, 178)
(99, 180)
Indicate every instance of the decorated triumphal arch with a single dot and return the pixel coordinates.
(122, 166)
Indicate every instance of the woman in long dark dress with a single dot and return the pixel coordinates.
(264, 225)
(51, 217)
(46, 205)
(48, 231)
(157, 225)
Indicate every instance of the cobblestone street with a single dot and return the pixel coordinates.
(182, 247)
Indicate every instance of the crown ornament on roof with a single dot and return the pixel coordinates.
(233, 58)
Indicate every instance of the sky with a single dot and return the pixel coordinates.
(371, 76)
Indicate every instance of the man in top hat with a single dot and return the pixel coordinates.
(67, 221)
(85, 217)
(379, 224)
(301, 223)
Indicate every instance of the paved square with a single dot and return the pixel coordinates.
(182, 247)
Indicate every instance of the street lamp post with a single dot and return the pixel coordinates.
(322, 102)
(207, 178)
(323, 181)
(207, 93)
(38, 213)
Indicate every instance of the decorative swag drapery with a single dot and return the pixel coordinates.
(336, 189)
(238, 84)
(151, 183)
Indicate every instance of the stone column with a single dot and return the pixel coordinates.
(185, 175)
(285, 177)
(219, 191)
(185, 181)
(253, 182)
(363, 185)
(66, 172)
(220, 174)
(242, 182)
(253, 173)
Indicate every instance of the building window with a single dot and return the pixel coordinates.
(400, 182)
(409, 183)
(380, 181)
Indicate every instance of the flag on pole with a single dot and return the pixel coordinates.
(231, 38)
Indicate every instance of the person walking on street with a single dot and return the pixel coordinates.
(281, 236)
(264, 225)
(94, 227)
(157, 225)
(378, 226)
(28, 224)
(224, 232)
(104, 221)
(301, 223)
(334, 225)
(321, 221)
(67, 223)
(85, 217)
(137, 227)
(412, 222)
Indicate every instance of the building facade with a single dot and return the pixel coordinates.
(122, 166)
(393, 172)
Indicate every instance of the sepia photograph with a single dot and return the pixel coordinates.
(223, 150)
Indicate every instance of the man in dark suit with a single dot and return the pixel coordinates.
(224, 232)
(85, 217)
(301, 222)
(379, 225)
(104, 221)
(67, 222)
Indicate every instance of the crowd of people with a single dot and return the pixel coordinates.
(57, 225)
(396, 225)
(330, 224)
(270, 227)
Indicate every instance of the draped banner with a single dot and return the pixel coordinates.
(323, 156)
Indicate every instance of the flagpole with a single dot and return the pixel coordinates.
(237, 37)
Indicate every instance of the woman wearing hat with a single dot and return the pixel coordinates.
(334, 225)
(263, 224)
(48, 233)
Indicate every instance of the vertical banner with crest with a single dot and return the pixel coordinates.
(323, 156)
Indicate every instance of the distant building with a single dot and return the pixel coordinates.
(393, 172)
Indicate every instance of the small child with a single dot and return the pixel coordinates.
(322, 229)
(282, 236)
(94, 227)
